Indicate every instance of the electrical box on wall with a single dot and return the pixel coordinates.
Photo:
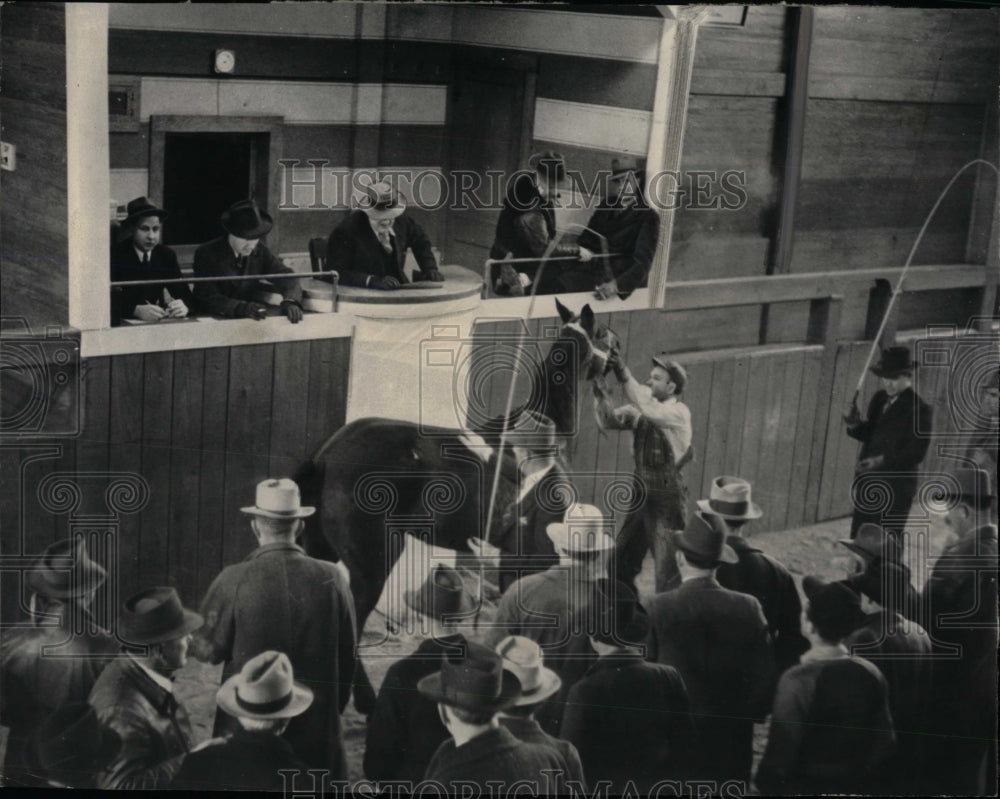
(8, 156)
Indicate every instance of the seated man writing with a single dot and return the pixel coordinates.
(240, 252)
(368, 248)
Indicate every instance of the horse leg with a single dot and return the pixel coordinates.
(366, 586)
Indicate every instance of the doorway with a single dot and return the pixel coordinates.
(491, 112)
(203, 174)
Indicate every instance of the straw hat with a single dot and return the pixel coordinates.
(264, 689)
(523, 658)
(279, 499)
(584, 530)
(729, 497)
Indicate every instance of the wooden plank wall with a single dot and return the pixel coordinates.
(202, 427)
(34, 282)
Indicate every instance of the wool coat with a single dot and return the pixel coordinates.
(355, 252)
(279, 598)
(229, 298)
(247, 761)
(125, 265)
(530, 731)
(632, 233)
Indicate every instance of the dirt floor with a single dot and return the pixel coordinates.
(806, 550)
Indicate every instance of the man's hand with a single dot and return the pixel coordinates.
(386, 283)
(434, 275)
(616, 363)
(292, 310)
(485, 552)
(585, 255)
(607, 290)
(176, 309)
(149, 312)
(254, 310)
(853, 415)
(869, 464)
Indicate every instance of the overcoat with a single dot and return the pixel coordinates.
(248, 761)
(125, 265)
(355, 252)
(228, 298)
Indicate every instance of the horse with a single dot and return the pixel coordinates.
(375, 479)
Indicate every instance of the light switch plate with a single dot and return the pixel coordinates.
(8, 156)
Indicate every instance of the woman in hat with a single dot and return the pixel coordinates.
(891, 447)
(239, 252)
(140, 256)
(368, 249)
(527, 224)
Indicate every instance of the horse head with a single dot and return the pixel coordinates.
(594, 343)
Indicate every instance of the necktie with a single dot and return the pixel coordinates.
(145, 258)
(385, 240)
(243, 264)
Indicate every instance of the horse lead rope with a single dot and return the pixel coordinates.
(899, 284)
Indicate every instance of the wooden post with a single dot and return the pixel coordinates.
(796, 97)
(824, 328)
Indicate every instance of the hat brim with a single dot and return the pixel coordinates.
(561, 538)
(510, 689)
(753, 511)
(411, 599)
(266, 223)
(225, 697)
(880, 371)
(133, 218)
(302, 513)
(95, 576)
(550, 684)
(726, 555)
(864, 553)
(384, 213)
(192, 621)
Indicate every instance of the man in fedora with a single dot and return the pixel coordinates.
(891, 447)
(134, 695)
(630, 719)
(523, 658)
(961, 599)
(71, 748)
(881, 555)
(661, 445)
(543, 495)
(628, 226)
(140, 256)
(278, 598)
(901, 650)
(263, 697)
(756, 573)
(239, 252)
(368, 249)
(551, 607)
(405, 729)
(831, 727)
(718, 640)
(470, 689)
(526, 226)
(57, 659)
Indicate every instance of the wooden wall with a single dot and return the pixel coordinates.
(34, 281)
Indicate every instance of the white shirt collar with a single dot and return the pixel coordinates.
(164, 682)
(141, 253)
(531, 480)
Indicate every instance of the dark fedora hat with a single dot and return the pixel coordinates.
(549, 164)
(443, 594)
(533, 431)
(246, 221)
(156, 615)
(72, 746)
(966, 485)
(704, 537)
(473, 680)
(883, 582)
(894, 361)
(833, 606)
(618, 617)
(65, 572)
(871, 543)
(139, 208)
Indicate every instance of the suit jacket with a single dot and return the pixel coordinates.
(355, 252)
(248, 761)
(632, 233)
(279, 598)
(33, 685)
(830, 730)
(961, 597)
(892, 434)
(531, 732)
(125, 265)
(523, 540)
(229, 298)
(630, 720)
(154, 728)
(547, 608)
(495, 755)
(718, 640)
(772, 584)
(405, 730)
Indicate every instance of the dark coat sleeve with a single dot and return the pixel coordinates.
(910, 448)
(863, 431)
(271, 264)
(347, 632)
(209, 261)
(342, 254)
(759, 669)
(642, 256)
(385, 741)
(789, 642)
(420, 245)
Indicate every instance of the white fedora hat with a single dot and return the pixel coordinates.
(522, 657)
(264, 689)
(279, 499)
(584, 530)
(730, 498)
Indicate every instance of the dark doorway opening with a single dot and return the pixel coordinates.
(205, 173)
